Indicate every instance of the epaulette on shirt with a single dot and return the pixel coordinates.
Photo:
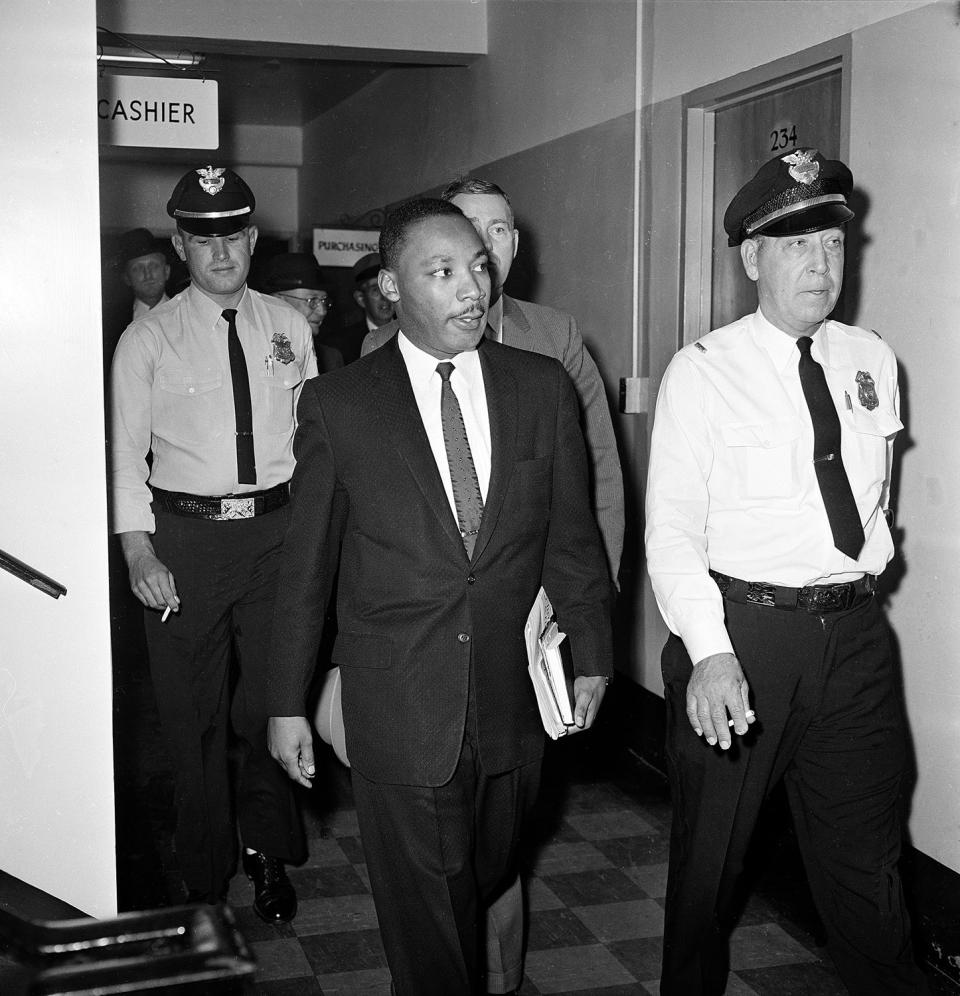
(700, 346)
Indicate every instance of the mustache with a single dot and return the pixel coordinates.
(476, 312)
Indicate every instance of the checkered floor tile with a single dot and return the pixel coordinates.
(595, 878)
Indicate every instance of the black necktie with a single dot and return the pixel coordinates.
(463, 474)
(834, 487)
(246, 464)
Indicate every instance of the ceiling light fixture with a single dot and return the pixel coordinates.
(142, 57)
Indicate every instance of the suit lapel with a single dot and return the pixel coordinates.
(515, 324)
(502, 402)
(402, 422)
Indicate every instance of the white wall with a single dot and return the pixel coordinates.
(696, 42)
(555, 67)
(905, 151)
(56, 750)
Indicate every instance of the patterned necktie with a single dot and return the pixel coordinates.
(246, 464)
(463, 474)
(834, 486)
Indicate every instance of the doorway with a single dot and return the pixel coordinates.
(732, 128)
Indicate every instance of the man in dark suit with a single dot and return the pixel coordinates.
(442, 726)
(547, 331)
(552, 333)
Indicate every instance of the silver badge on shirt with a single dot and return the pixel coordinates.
(866, 391)
(282, 350)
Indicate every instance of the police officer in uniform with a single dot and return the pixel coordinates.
(207, 383)
(768, 485)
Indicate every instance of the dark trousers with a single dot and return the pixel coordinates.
(830, 722)
(225, 573)
(437, 857)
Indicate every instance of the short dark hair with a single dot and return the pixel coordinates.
(475, 185)
(394, 232)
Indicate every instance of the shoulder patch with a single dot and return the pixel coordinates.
(700, 346)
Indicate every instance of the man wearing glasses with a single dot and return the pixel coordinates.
(296, 278)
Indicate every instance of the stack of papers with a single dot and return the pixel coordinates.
(551, 677)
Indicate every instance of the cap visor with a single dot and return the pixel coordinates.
(815, 219)
(214, 226)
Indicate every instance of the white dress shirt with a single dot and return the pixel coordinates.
(731, 482)
(173, 396)
(467, 383)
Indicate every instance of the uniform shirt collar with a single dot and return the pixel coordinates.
(209, 311)
(780, 346)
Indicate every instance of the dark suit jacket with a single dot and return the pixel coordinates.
(415, 615)
(554, 333)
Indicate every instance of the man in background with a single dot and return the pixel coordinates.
(296, 278)
(207, 383)
(135, 277)
(377, 310)
(146, 269)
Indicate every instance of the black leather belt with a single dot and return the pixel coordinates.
(815, 598)
(222, 508)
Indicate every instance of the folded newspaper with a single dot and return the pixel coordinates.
(552, 680)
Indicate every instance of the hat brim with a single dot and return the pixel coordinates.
(814, 219)
(370, 271)
(328, 718)
(213, 226)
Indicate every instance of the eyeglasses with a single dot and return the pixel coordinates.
(310, 302)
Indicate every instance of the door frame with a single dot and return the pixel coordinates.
(697, 208)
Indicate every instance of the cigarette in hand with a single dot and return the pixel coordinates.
(168, 610)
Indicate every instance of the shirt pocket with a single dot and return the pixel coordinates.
(764, 456)
(191, 404)
(865, 435)
(277, 390)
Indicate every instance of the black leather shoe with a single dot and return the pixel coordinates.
(274, 898)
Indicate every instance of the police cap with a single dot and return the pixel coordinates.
(211, 200)
(790, 195)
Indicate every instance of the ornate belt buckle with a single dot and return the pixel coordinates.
(830, 598)
(236, 508)
(760, 593)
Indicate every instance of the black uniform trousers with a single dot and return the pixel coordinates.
(437, 857)
(830, 722)
(225, 573)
